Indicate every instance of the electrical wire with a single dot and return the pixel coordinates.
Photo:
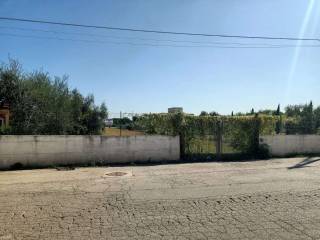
(153, 39)
(150, 44)
(156, 31)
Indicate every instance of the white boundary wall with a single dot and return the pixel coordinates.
(281, 145)
(42, 151)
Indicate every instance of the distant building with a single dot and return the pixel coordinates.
(4, 115)
(175, 110)
(109, 122)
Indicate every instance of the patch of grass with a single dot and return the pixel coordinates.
(207, 144)
(202, 144)
(115, 132)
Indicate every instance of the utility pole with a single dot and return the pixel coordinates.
(120, 123)
(219, 139)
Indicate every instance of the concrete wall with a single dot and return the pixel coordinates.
(42, 151)
(281, 145)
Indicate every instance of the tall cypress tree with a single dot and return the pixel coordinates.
(307, 125)
(279, 122)
(278, 110)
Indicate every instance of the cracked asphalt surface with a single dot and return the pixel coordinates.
(274, 199)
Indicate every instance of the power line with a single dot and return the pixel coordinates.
(157, 31)
(154, 45)
(153, 39)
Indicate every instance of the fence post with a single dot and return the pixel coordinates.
(219, 139)
(120, 124)
(182, 145)
(256, 134)
(179, 128)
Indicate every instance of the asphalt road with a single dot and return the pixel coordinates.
(274, 199)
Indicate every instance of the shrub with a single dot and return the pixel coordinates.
(241, 131)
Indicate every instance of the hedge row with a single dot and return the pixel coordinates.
(242, 131)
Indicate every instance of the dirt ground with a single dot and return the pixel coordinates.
(273, 199)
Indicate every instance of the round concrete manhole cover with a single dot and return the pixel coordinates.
(116, 174)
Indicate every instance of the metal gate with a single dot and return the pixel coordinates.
(216, 144)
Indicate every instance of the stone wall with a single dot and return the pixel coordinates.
(282, 145)
(43, 151)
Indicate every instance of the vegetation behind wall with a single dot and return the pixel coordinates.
(42, 105)
(240, 133)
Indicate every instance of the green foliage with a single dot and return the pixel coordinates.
(277, 113)
(279, 122)
(263, 152)
(316, 113)
(122, 122)
(42, 105)
(294, 110)
(10, 82)
(307, 119)
(204, 113)
(301, 119)
(212, 113)
(159, 123)
(5, 130)
(292, 126)
(278, 127)
(242, 132)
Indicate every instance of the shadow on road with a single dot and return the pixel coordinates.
(304, 163)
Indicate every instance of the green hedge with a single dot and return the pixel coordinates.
(241, 131)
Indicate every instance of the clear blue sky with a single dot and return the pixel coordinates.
(150, 79)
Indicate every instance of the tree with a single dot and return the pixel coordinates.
(204, 113)
(252, 111)
(294, 110)
(42, 105)
(307, 119)
(277, 113)
(214, 113)
(302, 119)
(267, 112)
(10, 82)
(279, 122)
(316, 113)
